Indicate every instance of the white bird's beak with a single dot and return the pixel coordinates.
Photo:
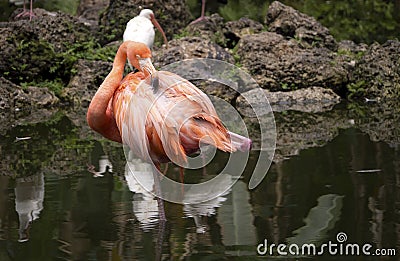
(158, 26)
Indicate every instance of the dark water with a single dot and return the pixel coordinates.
(339, 177)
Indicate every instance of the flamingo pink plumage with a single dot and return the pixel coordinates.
(165, 123)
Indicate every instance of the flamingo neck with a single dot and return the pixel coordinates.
(112, 81)
(99, 116)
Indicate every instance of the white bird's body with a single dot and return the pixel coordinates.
(140, 29)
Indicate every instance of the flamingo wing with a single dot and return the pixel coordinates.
(143, 126)
(176, 88)
(193, 111)
(167, 120)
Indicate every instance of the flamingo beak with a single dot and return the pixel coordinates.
(157, 25)
(147, 65)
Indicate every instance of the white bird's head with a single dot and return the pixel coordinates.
(147, 13)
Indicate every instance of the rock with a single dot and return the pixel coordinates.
(289, 22)
(211, 28)
(89, 11)
(18, 106)
(377, 74)
(33, 51)
(84, 84)
(214, 77)
(297, 131)
(35, 97)
(243, 26)
(380, 120)
(217, 89)
(314, 99)
(13, 97)
(224, 34)
(172, 15)
(351, 47)
(349, 54)
(280, 64)
(57, 28)
(190, 47)
(7, 91)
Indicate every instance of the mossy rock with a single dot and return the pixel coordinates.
(42, 52)
(377, 74)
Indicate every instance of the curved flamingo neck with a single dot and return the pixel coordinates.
(99, 115)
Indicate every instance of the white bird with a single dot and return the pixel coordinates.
(141, 29)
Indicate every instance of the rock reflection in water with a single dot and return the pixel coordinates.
(86, 224)
(4, 202)
(319, 221)
(29, 196)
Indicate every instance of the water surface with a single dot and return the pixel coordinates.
(65, 193)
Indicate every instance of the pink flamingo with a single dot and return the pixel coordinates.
(145, 118)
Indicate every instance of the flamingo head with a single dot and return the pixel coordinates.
(139, 56)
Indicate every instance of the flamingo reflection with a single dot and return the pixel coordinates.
(145, 205)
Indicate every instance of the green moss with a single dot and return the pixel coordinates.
(219, 38)
(55, 85)
(288, 87)
(37, 64)
(90, 50)
(357, 55)
(356, 89)
(183, 33)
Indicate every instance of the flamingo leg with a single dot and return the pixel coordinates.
(157, 188)
(26, 13)
(31, 11)
(166, 168)
(203, 7)
(182, 180)
(181, 176)
(160, 240)
(202, 16)
(23, 11)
